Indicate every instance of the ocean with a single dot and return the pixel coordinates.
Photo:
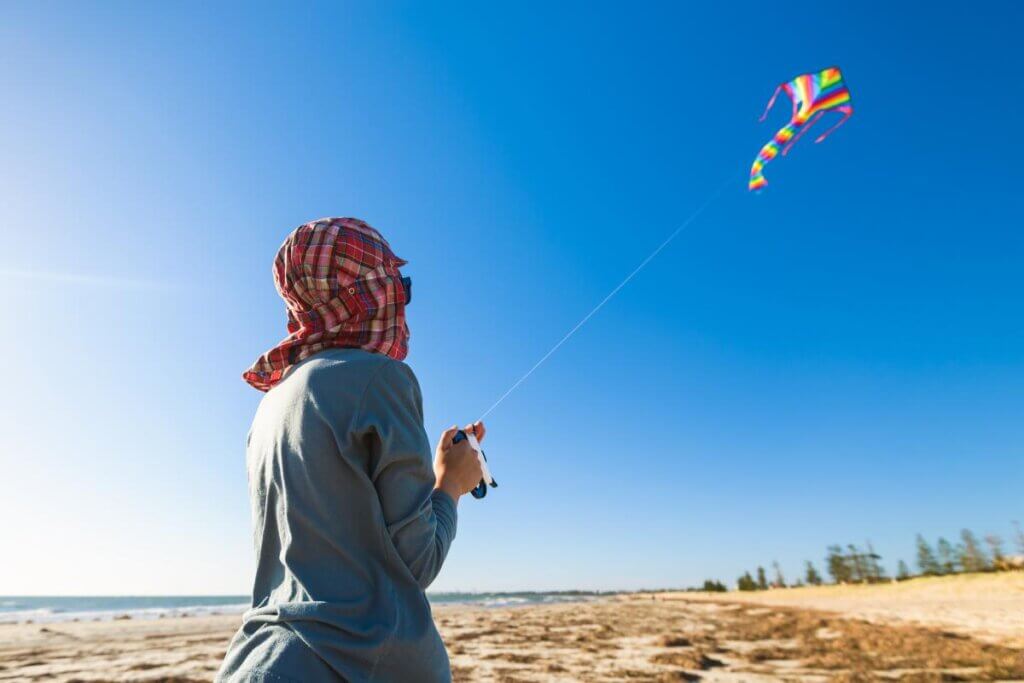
(44, 609)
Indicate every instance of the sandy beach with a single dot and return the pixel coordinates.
(988, 607)
(957, 628)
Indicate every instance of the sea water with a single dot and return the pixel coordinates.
(43, 609)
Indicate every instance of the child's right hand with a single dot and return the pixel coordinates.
(456, 466)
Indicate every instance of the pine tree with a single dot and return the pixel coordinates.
(762, 581)
(712, 586)
(958, 552)
(926, 558)
(838, 567)
(811, 576)
(903, 572)
(947, 557)
(856, 561)
(780, 580)
(1018, 537)
(875, 570)
(973, 558)
(746, 582)
(995, 544)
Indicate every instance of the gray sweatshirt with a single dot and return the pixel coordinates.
(349, 531)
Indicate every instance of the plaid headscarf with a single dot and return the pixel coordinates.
(340, 282)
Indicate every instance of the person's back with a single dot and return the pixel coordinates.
(350, 525)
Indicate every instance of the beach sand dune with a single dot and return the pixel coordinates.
(989, 607)
(793, 635)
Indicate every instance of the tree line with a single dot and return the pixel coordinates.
(967, 555)
(853, 564)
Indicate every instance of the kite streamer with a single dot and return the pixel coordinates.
(812, 95)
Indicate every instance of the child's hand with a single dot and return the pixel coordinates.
(457, 468)
(477, 429)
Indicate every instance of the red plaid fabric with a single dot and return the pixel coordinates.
(342, 288)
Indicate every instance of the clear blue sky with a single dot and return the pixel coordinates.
(840, 358)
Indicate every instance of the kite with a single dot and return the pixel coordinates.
(812, 95)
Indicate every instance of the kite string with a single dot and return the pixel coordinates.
(650, 257)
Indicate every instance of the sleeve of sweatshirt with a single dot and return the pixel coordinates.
(420, 521)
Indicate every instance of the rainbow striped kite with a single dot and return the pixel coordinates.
(812, 95)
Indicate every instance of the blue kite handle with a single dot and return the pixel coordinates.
(481, 489)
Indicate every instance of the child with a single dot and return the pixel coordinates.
(351, 522)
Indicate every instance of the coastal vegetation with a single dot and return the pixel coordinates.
(852, 564)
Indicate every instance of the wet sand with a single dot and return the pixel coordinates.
(666, 637)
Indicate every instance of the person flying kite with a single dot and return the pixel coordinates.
(812, 95)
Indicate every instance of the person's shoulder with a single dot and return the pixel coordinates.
(397, 374)
(356, 367)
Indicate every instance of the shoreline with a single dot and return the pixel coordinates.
(69, 609)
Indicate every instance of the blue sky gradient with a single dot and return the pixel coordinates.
(837, 359)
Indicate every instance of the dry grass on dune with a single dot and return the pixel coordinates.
(853, 647)
(984, 606)
(646, 640)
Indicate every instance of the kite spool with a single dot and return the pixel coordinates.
(481, 489)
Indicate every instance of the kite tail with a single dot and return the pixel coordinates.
(847, 111)
(771, 103)
(803, 129)
(769, 152)
(757, 180)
